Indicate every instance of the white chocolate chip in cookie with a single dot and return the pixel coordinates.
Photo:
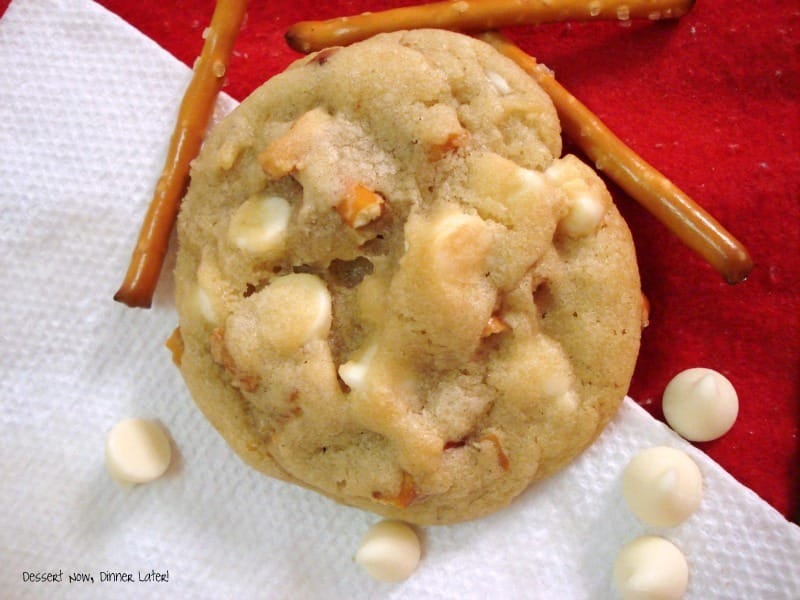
(499, 83)
(502, 188)
(390, 551)
(137, 451)
(290, 151)
(584, 215)
(700, 404)
(297, 309)
(662, 486)
(651, 568)
(440, 130)
(460, 243)
(524, 202)
(586, 201)
(204, 305)
(560, 171)
(259, 225)
(208, 293)
(354, 371)
(530, 182)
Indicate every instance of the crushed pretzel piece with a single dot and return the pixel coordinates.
(502, 457)
(404, 498)
(175, 345)
(286, 153)
(494, 325)
(360, 206)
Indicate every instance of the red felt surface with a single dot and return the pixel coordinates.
(712, 101)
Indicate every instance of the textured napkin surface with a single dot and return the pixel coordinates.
(86, 106)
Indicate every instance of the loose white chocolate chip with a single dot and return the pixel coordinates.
(662, 486)
(585, 214)
(259, 225)
(298, 309)
(137, 451)
(700, 404)
(390, 551)
(651, 568)
(354, 371)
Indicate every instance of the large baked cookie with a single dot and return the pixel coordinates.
(390, 288)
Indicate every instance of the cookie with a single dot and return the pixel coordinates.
(392, 290)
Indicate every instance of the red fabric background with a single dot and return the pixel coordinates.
(712, 101)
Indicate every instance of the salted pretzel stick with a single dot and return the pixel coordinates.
(681, 215)
(475, 15)
(194, 114)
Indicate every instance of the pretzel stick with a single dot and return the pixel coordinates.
(475, 15)
(194, 114)
(681, 215)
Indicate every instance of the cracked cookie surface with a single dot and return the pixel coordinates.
(393, 291)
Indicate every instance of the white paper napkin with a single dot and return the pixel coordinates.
(86, 108)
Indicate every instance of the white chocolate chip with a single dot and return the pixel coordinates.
(556, 384)
(460, 243)
(137, 451)
(390, 551)
(500, 84)
(586, 205)
(651, 567)
(567, 403)
(700, 404)
(584, 215)
(531, 182)
(298, 309)
(354, 371)
(208, 297)
(204, 305)
(662, 486)
(259, 225)
(559, 171)
(228, 152)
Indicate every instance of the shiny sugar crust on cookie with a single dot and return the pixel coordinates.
(390, 288)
